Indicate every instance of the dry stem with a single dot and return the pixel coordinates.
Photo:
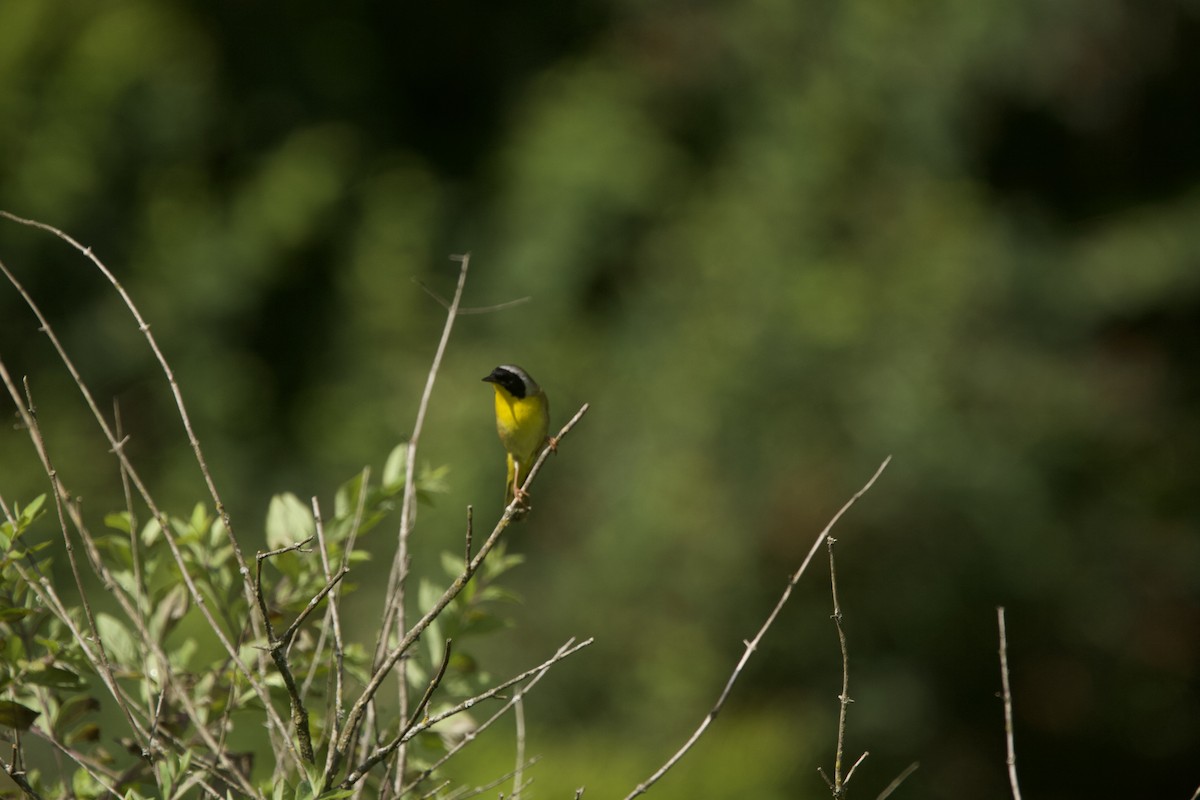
(1008, 713)
(752, 645)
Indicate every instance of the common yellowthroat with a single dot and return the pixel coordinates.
(522, 420)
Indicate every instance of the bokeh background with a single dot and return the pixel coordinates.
(770, 243)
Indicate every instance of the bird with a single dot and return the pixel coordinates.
(522, 420)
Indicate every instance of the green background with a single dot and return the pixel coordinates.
(770, 243)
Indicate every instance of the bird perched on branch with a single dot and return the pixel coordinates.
(522, 420)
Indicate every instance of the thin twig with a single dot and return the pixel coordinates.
(465, 794)
(435, 790)
(854, 766)
(838, 785)
(418, 715)
(471, 735)
(1008, 712)
(278, 647)
(314, 601)
(135, 544)
(752, 645)
(97, 772)
(419, 711)
(279, 651)
(470, 532)
(335, 622)
(17, 776)
(519, 771)
(899, 779)
(395, 596)
(395, 607)
(384, 751)
(444, 303)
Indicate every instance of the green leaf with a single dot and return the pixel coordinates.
(27, 515)
(433, 481)
(84, 785)
(393, 468)
(24, 518)
(477, 624)
(118, 522)
(498, 594)
(53, 646)
(200, 521)
(15, 715)
(53, 677)
(118, 546)
(184, 532)
(117, 639)
(288, 521)
(12, 649)
(427, 595)
(169, 607)
(182, 653)
(452, 564)
(8, 614)
(87, 732)
(74, 709)
(218, 533)
(345, 500)
(151, 532)
(418, 676)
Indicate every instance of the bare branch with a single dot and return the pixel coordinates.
(854, 766)
(470, 533)
(519, 770)
(487, 723)
(465, 794)
(393, 614)
(393, 597)
(419, 711)
(444, 303)
(752, 645)
(382, 752)
(838, 784)
(1008, 713)
(17, 776)
(279, 646)
(286, 639)
(899, 779)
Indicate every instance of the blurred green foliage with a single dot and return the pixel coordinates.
(167, 666)
(770, 243)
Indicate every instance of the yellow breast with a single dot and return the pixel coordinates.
(522, 423)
